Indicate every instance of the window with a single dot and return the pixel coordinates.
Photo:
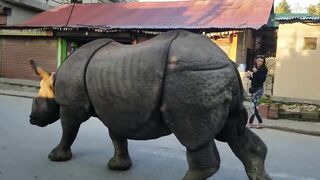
(310, 43)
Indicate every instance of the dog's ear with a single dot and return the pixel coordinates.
(52, 79)
(38, 70)
(34, 66)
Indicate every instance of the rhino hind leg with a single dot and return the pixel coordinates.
(70, 122)
(252, 151)
(246, 145)
(121, 159)
(203, 162)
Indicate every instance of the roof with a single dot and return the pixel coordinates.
(296, 17)
(223, 14)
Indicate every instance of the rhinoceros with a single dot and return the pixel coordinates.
(177, 82)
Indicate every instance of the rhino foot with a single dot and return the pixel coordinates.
(60, 155)
(119, 163)
(259, 177)
(199, 174)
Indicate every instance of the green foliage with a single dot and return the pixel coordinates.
(314, 9)
(265, 100)
(283, 8)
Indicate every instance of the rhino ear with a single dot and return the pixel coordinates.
(38, 70)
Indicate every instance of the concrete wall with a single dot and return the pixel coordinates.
(236, 47)
(22, 10)
(224, 44)
(297, 72)
(245, 40)
(19, 14)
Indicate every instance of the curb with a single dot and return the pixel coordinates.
(18, 94)
(20, 82)
(299, 131)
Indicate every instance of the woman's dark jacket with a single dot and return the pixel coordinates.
(259, 77)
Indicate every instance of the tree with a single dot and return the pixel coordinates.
(314, 9)
(283, 7)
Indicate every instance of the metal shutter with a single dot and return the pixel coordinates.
(17, 51)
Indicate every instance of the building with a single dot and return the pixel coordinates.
(297, 69)
(49, 37)
(86, 1)
(16, 11)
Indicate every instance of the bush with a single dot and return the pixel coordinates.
(265, 100)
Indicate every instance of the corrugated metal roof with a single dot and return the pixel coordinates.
(229, 14)
(296, 16)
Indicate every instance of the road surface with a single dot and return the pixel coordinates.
(24, 149)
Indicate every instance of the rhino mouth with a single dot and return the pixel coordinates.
(34, 121)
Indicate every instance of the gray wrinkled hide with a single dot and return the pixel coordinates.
(184, 74)
(70, 85)
(178, 82)
(203, 81)
(124, 84)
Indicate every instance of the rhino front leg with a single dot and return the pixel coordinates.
(121, 159)
(203, 162)
(70, 122)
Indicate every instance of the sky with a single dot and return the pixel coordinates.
(298, 6)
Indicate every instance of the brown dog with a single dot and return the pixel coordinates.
(46, 83)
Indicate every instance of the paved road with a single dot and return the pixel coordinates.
(24, 149)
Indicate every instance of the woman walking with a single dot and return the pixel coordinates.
(257, 76)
